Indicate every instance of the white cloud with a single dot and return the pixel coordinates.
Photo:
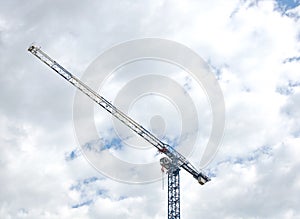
(246, 42)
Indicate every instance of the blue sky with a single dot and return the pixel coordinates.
(252, 46)
(285, 5)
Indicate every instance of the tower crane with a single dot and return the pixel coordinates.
(173, 162)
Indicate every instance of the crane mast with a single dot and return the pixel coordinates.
(175, 161)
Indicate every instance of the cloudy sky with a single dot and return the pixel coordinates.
(253, 48)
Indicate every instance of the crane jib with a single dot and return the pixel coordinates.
(174, 155)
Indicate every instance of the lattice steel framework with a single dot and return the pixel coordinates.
(173, 193)
(173, 155)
